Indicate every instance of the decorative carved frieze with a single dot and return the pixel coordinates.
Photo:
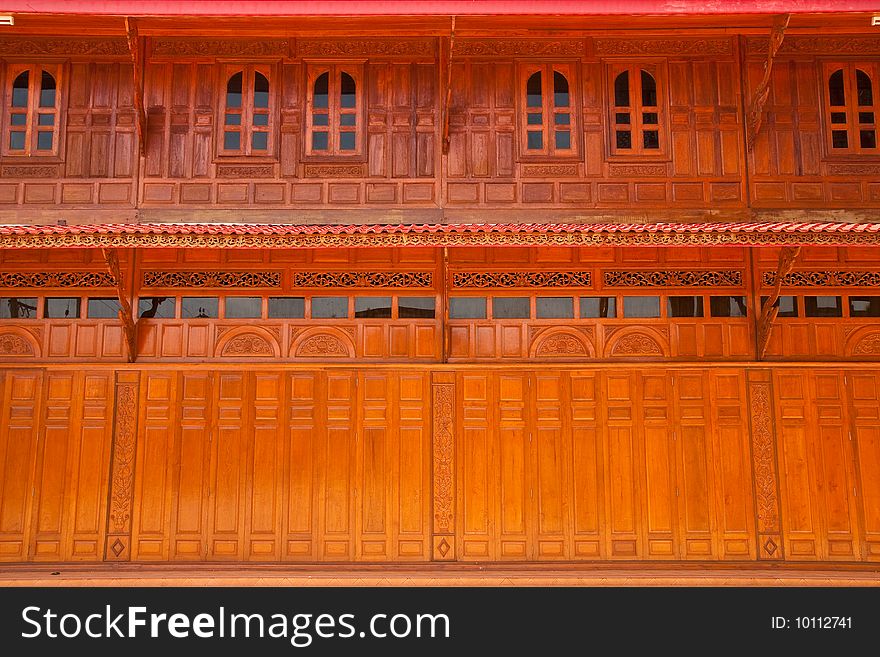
(122, 468)
(819, 45)
(518, 47)
(825, 278)
(245, 171)
(393, 279)
(365, 47)
(53, 46)
(673, 278)
(30, 171)
(560, 344)
(335, 171)
(867, 346)
(323, 345)
(197, 47)
(443, 432)
(211, 279)
(12, 344)
(636, 344)
(637, 170)
(697, 47)
(854, 169)
(485, 279)
(247, 344)
(764, 470)
(57, 279)
(549, 170)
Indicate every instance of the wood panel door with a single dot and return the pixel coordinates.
(863, 387)
(817, 476)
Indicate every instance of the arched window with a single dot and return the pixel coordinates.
(851, 109)
(549, 126)
(636, 114)
(334, 117)
(247, 128)
(32, 111)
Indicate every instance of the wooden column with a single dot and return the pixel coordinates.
(443, 458)
(118, 544)
(765, 480)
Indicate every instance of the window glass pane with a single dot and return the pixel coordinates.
(321, 91)
(20, 90)
(243, 308)
(261, 90)
(649, 118)
(287, 307)
(622, 117)
(535, 140)
(261, 119)
(62, 308)
(347, 91)
(46, 120)
(320, 119)
(867, 139)
(592, 307)
(865, 92)
(866, 117)
(157, 307)
(199, 307)
(649, 90)
(233, 91)
(624, 139)
(233, 119)
(319, 141)
(563, 119)
(16, 141)
(467, 308)
(563, 139)
(44, 141)
(260, 141)
(18, 119)
(346, 141)
(560, 90)
(823, 307)
(106, 308)
(329, 307)
(835, 89)
(839, 139)
(415, 307)
(788, 306)
(554, 308)
(533, 90)
(684, 306)
(18, 308)
(231, 141)
(47, 90)
(838, 117)
(375, 307)
(347, 119)
(535, 118)
(728, 306)
(621, 90)
(510, 308)
(651, 139)
(864, 306)
(641, 306)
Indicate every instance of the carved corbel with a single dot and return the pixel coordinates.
(787, 257)
(134, 49)
(759, 98)
(126, 316)
(448, 88)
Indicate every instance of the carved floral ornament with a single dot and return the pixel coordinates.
(12, 344)
(825, 278)
(673, 278)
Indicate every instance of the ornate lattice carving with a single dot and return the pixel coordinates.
(444, 457)
(15, 345)
(30, 172)
(322, 345)
(483, 279)
(122, 477)
(868, 345)
(825, 278)
(854, 169)
(363, 47)
(663, 47)
(517, 47)
(549, 170)
(764, 465)
(57, 279)
(637, 170)
(247, 344)
(37, 46)
(221, 47)
(212, 279)
(807, 45)
(392, 279)
(335, 171)
(636, 344)
(673, 278)
(560, 345)
(244, 171)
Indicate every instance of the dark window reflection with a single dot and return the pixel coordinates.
(415, 307)
(199, 307)
(243, 308)
(601, 307)
(554, 308)
(641, 306)
(728, 306)
(104, 308)
(823, 306)
(467, 308)
(157, 307)
(511, 308)
(864, 306)
(18, 308)
(62, 308)
(684, 307)
(372, 307)
(287, 307)
(329, 307)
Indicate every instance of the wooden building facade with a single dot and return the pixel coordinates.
(499, 286)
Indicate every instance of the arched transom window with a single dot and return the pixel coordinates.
(549, 110)
(32, 117)
(334, 112)
(851, 108)
(248, 116)
(637, 117)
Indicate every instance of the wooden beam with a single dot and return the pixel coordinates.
(134, 49)
(787, 257)
(126, 314)
(759, 98)
(448, 96)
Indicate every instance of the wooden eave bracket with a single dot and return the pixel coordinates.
(762, 91)
(126, 315)
(787, 258)
(137, 61)
(448, 97)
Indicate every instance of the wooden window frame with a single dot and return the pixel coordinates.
(549, 152)
(33, 110)
(314, 69)
(638, 153)
(851, 109)
(247, 111)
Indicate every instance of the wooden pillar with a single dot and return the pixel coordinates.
(765, 480)
(118, 544)
(443, 458)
